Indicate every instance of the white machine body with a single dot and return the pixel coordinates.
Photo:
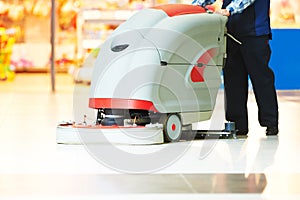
(158, 71)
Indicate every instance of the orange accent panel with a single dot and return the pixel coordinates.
(180, 9)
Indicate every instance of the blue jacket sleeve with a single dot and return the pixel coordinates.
(202, 3)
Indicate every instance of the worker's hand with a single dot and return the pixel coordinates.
(223, 12)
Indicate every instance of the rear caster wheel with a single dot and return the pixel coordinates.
(172, 128)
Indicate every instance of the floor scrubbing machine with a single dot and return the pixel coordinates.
(156, 74)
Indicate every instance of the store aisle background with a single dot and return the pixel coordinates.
(33, 166)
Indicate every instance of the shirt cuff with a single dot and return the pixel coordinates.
(230, 9)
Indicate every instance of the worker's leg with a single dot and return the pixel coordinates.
(236, 88)
(256, 53)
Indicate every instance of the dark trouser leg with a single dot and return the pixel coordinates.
(256, 54)
(236, 87)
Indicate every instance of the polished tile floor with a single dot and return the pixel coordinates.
(33, 166)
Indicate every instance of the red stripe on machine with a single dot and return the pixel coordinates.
(197, 72)
(121, 104)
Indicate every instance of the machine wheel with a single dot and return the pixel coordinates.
(172, 128)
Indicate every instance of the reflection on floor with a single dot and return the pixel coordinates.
(128, 184)
(33, 166)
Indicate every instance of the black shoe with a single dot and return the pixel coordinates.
(272, 130)
(241, 132)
